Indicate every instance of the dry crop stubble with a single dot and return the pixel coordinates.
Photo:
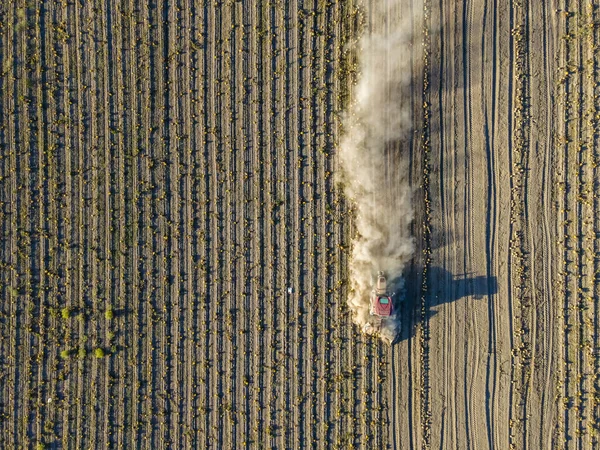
(137, 119)
(149, 139)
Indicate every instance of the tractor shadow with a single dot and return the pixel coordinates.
(442, 287)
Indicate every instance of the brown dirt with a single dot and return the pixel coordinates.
(174, 161)
(503, 353)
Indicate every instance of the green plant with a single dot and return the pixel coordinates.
(109, 314)
(65, 354)
(81, 353)
(99, 353)
(65, 312)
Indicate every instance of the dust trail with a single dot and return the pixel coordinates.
(374, 162)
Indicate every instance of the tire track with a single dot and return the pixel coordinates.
(471, 357)
(546, 359)
(494, 372)
(447, 76)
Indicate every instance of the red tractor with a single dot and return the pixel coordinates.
(381, 307)
(381, 301)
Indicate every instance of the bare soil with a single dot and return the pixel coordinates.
(166, 175)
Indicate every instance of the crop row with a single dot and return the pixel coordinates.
(523, 319)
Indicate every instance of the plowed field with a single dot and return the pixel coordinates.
(175, 249)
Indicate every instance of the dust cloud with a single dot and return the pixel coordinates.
(374, 167)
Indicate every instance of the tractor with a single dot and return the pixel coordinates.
(381, 309)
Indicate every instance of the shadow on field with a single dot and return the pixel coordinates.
(442, 287)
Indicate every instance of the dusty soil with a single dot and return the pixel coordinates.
(503, 350)
(166, 174)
